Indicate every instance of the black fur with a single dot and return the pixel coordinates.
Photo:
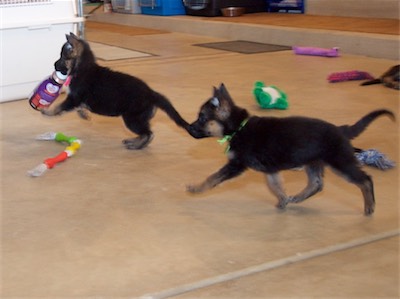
(270, 145)
(110, 93)
(391, 78)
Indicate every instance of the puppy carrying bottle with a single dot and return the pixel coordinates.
(47, 91)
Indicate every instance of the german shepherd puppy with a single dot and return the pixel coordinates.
(391, 78)
(270, 144)
(110, 93)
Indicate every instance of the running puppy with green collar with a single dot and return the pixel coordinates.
(270, 145)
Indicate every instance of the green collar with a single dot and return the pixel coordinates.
(228, 138)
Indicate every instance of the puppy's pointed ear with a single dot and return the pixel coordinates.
(215, 91)
(214, 100)
(72, 39)
(220, 103)
(225, 94)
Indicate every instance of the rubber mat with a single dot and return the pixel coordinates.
(106, 52)
(244, 47)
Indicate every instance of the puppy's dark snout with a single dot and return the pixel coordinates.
(60, 66)
(195, 131)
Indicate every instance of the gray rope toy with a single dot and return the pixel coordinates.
(374, 158)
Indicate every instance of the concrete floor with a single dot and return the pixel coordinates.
(113, 223)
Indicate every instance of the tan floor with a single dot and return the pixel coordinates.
(357, 36)
(113, 223)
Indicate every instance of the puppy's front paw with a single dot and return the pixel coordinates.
(47, 112)
(194, 188)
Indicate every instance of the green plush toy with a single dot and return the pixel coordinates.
(270, 97)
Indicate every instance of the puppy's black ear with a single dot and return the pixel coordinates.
(72, 38)
(69, 37)
(215, 91)
(214, 99)
(225, 94)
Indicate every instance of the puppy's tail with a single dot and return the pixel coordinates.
(371, 82)
(164, 104)
(355, 130)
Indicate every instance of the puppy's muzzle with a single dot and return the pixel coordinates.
(61, 66)
(196, 130)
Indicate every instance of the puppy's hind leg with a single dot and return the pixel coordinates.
(315, 172)
(138, 142)
(83, 112)
(275, 186)
(139, 124)
(355, 175)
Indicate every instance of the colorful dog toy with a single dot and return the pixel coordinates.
(73, 145)
(349, 76)
(270, 97)
(333, 52)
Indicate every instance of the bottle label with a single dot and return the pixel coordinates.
(52, 89)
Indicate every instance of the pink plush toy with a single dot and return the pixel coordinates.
(349, 76)
(333, 52)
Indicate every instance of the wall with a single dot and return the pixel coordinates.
(388, 9)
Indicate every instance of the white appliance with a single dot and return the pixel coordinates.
(31, 35)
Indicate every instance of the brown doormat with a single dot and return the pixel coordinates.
(244, 47)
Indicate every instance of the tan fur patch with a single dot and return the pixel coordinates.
(69, 64)
(215, 129)
(224, 112)
(77, 49)
(389, 82)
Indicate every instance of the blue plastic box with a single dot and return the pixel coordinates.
(286, 6)
(162, 7)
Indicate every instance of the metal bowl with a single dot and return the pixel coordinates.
(233, 11)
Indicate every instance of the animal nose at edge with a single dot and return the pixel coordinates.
(195, 131)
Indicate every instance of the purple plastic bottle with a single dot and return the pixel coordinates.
(47, 91)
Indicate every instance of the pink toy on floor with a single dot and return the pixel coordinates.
(333, 52)
(349, 76)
